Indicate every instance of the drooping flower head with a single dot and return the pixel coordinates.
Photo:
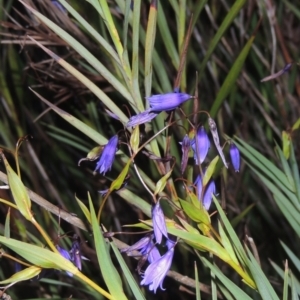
(209, 190)
(158, 103)
(146, 247)
(107, 156)
(75, 252)
(159, 224)
(166, 102)
(158, 269)
(63, 252)
(235, 157)
(200, 145)
(185, 147)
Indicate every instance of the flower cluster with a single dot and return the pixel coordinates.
(200, 145)
(159, 265)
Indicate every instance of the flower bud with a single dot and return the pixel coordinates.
(235, 157)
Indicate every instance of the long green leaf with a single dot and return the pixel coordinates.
(39, 256)
(225, 24)
(108, 270)
(128, 274)
(232, 287)
(230, 80)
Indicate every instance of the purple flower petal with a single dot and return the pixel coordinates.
(159, 224)
(235, 157)
(158, 269)
(141, 118)
(63, 252)
(206, 196)
(169, 101)
(210, 190)
(139, 245)
(75, 253)
(199, 186)
(200, 145)
(107, 156)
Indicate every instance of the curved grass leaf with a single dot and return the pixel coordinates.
(231, 77)
(264, 287)
(18, 190)
(149, 46)
(237, 292)
(25, 274)
(108, 270)
(128, 275)
(225, 24)
(39, 256)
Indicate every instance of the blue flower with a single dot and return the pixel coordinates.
(205, 196)
(158, 269)
(185, 148)
(158, 103)
(166, 102)
(210, 190)
(75, 253)
(107, 156)
(159, 224)
(63, 252)
(235, 157)
(200, 145)
(141, 118)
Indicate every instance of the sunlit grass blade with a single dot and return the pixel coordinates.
(25, 274)
(264, 287)
(295, 293)
(295, 171)
(7, 224)
(237, 292)
(108, 270)
(286, 282)
(225, 24)
(231, 233)
(226, 243)
(167, 37)
(265, 165)
(18, 190)
(197, 8)
(135, 55)
(149, 46)
(286, 167)
(292, 257)
(88, 131)
(128, 274)
(290, 211)
(281, 273)
(102, 41)
(198, 295)
(39, 256)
